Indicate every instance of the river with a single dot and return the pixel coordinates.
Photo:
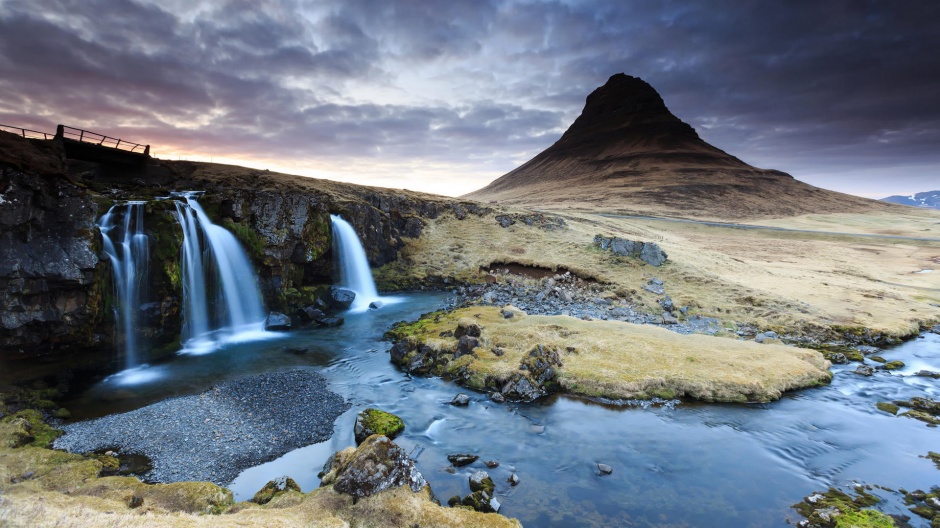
(674, 464)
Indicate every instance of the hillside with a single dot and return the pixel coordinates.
(627, 153)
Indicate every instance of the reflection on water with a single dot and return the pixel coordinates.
(688, 465)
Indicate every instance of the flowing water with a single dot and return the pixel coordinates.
(350, 258)
(128, 248)
(221, 301)
(674, 465)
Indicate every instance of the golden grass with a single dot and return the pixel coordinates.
(780, 280)
(621, 360)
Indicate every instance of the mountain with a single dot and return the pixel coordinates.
(929, 199)
(627, 153)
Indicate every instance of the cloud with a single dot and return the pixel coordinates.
(479, 87)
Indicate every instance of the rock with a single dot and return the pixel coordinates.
(491, 279)
(864, 370)
(460, 400)
(375, 305)
(513, 480)
(481, 481)
(565, 296)
(604, 469)
(466, 328)
(654, 287)
(331, 322)
(376, 465)
(497, 397)
(505, 220)
(492, 464)
(274, 488)
(927, 374)
(277, 321)
(498, 351)
(669, 319)
(341, 298)
(489, 298)
(652, 254)
(309, 314)
(373, 421)
(520, 388)
(837, 358)
(666, 303)
(462, 459)
(893, 365)
(465, 346)
(867, 350)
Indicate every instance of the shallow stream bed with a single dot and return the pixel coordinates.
(673, 465)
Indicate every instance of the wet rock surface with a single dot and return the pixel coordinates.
(373, 421)
(215, 435)
(376, 465)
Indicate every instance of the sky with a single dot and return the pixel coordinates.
(445, 96)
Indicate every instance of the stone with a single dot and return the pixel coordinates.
(492, 464)
(467, 329)
(893, 365)
(497, 397)
(462, 459)
(277, 321)
(927, 374)
(309, 314)
(376, 465)
(331, 322)
(375, 305)
(669, 319)
(505, 220)
(513, 480)
(604, 469)
(481, 481)
(666, 303)
(465, 346)
(864, 370)
(274, 488)
(498, 351)
(375, 422)
(838, 358)
(507, 314)
(520, 388)
(460, 400)
(341, 298)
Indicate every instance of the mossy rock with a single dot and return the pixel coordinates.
(878, 359)
(889, 408)
(31, 429)
(864, 519)
(894, 365)
(935, 457)
(373, 421)
(273, 488)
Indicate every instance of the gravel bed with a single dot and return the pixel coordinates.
(215, 435)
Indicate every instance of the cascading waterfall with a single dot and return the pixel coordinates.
(220, 288)
(353, 266)
(128, 248)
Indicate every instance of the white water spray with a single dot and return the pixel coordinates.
(354, 272)
(220, 288)
(128, 248)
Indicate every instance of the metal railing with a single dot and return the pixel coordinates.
(85, 136)
(27, 133)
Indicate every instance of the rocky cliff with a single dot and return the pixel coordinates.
(57, 294)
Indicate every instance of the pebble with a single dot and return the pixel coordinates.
(216, 435)
(604, 469)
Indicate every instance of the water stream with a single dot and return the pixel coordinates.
(128, 248)
(674, 465)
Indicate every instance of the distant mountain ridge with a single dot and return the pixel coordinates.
(929, 199)
(628, 154)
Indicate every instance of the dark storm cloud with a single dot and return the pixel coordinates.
(807, 87)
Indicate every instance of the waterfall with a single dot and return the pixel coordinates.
(220, 288)
(128, 248)
(354, 272)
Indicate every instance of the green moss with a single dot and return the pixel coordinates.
(922, 416)
(40, 433)
(878, 359)
(381, 422)
(248, 237)
(404, 329)
(935, 457)
(273, 489)
(889, 408)
(864, 519)
(894, 365)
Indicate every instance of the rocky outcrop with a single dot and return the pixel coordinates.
(51, 290)
(376, 465)
(648, 252)
(375, 422)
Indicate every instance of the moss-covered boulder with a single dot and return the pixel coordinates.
(375, 422)
(273, 488)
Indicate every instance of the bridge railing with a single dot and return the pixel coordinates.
(86, 136)
(27, 133)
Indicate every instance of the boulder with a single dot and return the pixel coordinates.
(648, 252)
(864, 370)
(309, 314)
(341, 298)
(375, 422)
(505, 220)
(277, 321)
(274, 488)
(462, 459)
(927, 374)
(376, 465)
(467, 328)
(460, 400)
(375, 305)
(604, 469)
(481, 481)
(331, 322)
(652, 254)
(465, 346)
(513, 480)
